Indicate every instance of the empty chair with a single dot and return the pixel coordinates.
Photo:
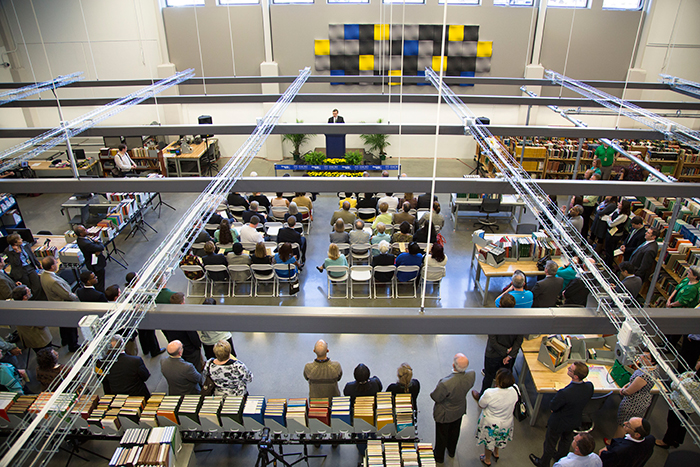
(248, 246)
(594, 404)
(384, 275)
(272, 229)
(411, 282)
(359, 252)
(191, 282)
(237, 226)
(213, 271)
(433, 275)
(237, 211)
(271, 245)
(278, 212)
(361, 275)
(198, 248)
(305, 218)
(284, 273)
(264, 274)
(489, 205)
(337, 275)
(240, 274)
(344, 248)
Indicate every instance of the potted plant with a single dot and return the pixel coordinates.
(297, 139)
(353, 158)
(377, 141)
(314, 158)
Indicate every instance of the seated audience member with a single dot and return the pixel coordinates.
(230, 375)
(568, 273)
(203, 237)
(88, 293)
(435, 258)
(421, 235)
(523, 298)
(284, 256)
(384, 258)
(293, 212)
(576, 293)
(261, 199)
(303, 201)
(339, 235)
(411, 258)
(11, 378)
(279, 201)
(380, 236)
(347, 197)
(11, 352)
(406, 384)
(344, 214)
(215, 218)
(358, 235)
(210, 338)
(290, 235)
(632, 283)
(236, 199)
(507, 301)
(250, 233)
(583, 455)
(391, 201)
(335, 258)
(128, 375)
(424, 201)
(383, 216)
(48, 368)
(226, 235)
(260, 255)
(546, 292)
(438, 219)
(402, 236)
(212, 258)
(238, 256)
(182, 377)
(369, 201)
(364, 385)
(191, 259)
(253, 211)
(404, 215)
(634, 450)
(410, 199)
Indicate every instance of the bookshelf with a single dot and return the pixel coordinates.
(146, 159)
(10, 214)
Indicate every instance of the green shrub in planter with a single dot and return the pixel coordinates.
(353, 158)
(314, 158)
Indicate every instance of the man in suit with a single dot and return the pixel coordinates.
(58, 290)
(253, 211)
(182, 377)
(192, 345)
(424, 201)
(343, 213)
(128, 375)
(450, 396)
(92, 250)
(501, 351)
(630, 281)
(33, 337)
(236, 199)
(88, 293)
(644, 257)
(404, 215)
(567, 410)
(6, 282)
(24, 265)
(290, 235)
(546, 292)
(634, 239)
(634, 450)
(262, 200)
(336, 118)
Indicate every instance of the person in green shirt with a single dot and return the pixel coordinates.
(687, 292)
(606, 154)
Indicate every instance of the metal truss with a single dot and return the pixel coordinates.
(26, 91)
(29, 149)
(38, 437)
(683, 86)
(620, 308)
(671, 129)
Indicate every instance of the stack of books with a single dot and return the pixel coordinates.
(340, 409)
(254, 408)
(134, 437)
(296, 410)
(385, 410)
(210, 409)
(364, 409)
(85, 405)
(425, 454)
(21, 406)
(149, 414)
(319, 409)
(375, 456)
(409, 455)
(131, 408)
(189, 408)
(7, 399)
(276, 410)
(43, 251)
(404, 411)
(61, 405)
(232, 409)
(392, 455)
(168, 409)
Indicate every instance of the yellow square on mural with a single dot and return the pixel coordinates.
(322, 47)
(394, 82)
(381, 32)
(366, 62)
(484, 48)
(456, 33)
(436, 64)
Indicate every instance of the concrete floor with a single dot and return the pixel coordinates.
(277, 359)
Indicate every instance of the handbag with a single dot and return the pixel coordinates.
(116, 172)
(209, 386)
(293, 284)
(619, 374)
(520, 409)
(542, 262)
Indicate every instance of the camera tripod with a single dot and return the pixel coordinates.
(266, 450)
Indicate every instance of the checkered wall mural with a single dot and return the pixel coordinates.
(369, 49)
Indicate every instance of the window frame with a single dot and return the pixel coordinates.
(586, 6)
(532, 4)
(348, 2)
(237, 2)
(460, 3)
(407, 2)
(292, 2)
(191, 4)
(639, 8)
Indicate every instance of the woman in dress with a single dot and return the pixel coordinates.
(335, 258)
(636, 395)
(279, 201)
(687, 292)
(48, 367)
(406, 385)
(229, 374)
(495, 426)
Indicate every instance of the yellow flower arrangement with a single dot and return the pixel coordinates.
(326, 173)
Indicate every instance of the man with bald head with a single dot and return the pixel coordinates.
(450, 396)
(182, 377)
(323, 373)
(343, 213)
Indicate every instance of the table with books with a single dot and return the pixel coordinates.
(472, 202)
(185, 163)
(520, 252)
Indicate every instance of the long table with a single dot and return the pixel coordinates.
(44, 169)
(185, 163)
(509, 203)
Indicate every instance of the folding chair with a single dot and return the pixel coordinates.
(366, 214)
(278, 212)
(437, 272)
(407, 269)
(283, 280)
(338, 280)
(263, 273)
(361, 275)
(198, 249)
(191, 282)
(375, 282)
(235, 271)
(218, 268)
(305, 217)
(272, 229)
(360, 252)
(237, 211)
(211, 228)
(248, 246)
(344, 248)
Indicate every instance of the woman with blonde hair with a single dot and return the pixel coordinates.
(406, 384)
(335, 258)
(229, 374)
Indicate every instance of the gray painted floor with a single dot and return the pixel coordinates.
(277, 359)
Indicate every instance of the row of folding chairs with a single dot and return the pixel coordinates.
(359, 253)
(350, 277)
(238, 276)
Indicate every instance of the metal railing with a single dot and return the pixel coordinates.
(26, 91)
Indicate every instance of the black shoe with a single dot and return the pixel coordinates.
(73, 348)
(535, 460)
(157, 352)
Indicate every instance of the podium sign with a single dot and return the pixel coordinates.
(335, 146)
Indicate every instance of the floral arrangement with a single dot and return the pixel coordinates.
(326, 173)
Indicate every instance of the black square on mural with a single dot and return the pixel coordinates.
(437, 46)
(396, 47)
(471, 33)
(426, 32)
(455, 66)
(352, 64)
(366, 33)
(367, 47)
(338, 62)
(469, 64)
(410, 65)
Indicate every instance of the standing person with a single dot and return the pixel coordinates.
(128, 375)
(32, 337)
(48, 368)
(495, 425)
(11, 378)
(336, 118)
(58, 290)
(190, 339)
(182, 377)
(364, 384)
(616, 230)
(675, 431)
(323, 373)
(634, 239)
(6, 282)
(501, 352)
(644, 256)
(634, 450)
(567, 410)
(630, 281)
(606, 154)
(210, 338)
(636, 395)
(88, 293)
(123, 161)
(600, 226)
(230, 375)
(546, 292)
(92, 250)
(450, 396)
(582, 455)
(406, 384)
(23, 264)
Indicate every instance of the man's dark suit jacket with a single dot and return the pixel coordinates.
(182, 377)
(90, 247)
(633, 242)
(625, 453)
(14, 260)
(340, 120)
(214, 259)
(424, 201)
(6, 285)
(367, 203)
(261, 199)
(128, 376)
(546, 292)
(90, 294)
(644, 259)
(288, 235)
(567, 406)
(248, 214)
(383, 259)
(236, 199)
(192, 346)
(497, 345)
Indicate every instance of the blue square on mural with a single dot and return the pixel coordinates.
(410, 47)
(467, 74)
(352, 32)
(337, 73)
(422, 73)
